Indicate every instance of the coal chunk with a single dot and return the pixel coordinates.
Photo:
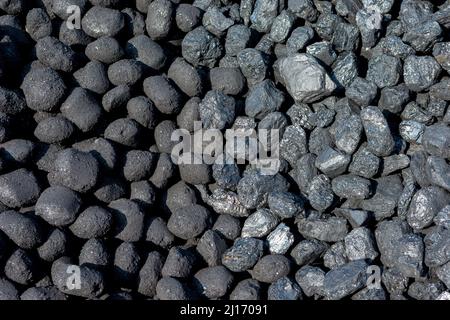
(387, 235)
(142, 110)
(126, 264)
(364, 163)
(441, 52)
(169, 288)
(420, 72)
(346, 131)
(425, 204)
(385, 197)
(104, 49)
(54, 130)
(259, 224)
(214, 282)
(379, 136)
(330, 229)
(189, 222)
(423, 36)
(228, 226)
(263, 15)
(201, 48)
(125, 72)
(307, 251)
(8, 290)
(93, 222)
(253, 64)
(56, 246)
(270, 268)
(82, 108)
(138, 165)
(228, 80)
(158, 233)
(21, 267)
(43, 89)
(164, 94)
(19, 188)
(436, 243)
(238, 38)
(262, 99)
(150, 273)
(304, 9)
(304, 78)
(100, 21)
(179, 263)
(56, 55)
(11, 102)
(350, 186)
(128, 220)
(58, 205)
(186, 77)
(320, 193)
(76, 170)
(124, 131)
(248, 289)
(361, 91)
(254, 187)
(345, 37)
(211, 246)
(38, 24)
(216, 22)
(187, 17)
(146, 51)
(280, 239)
(116, 98)
(311, 280)
(282, 26)
(42, 294)
(345, 280)
(93, 76)
(243, 255)
(285, 205)
(436, 140)
(159, 19)
(217, 110)
(360, 244)
(284, 289)
(22, 228)
(332, 162)
(384, 70)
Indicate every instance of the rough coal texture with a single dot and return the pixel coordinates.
(359, 91)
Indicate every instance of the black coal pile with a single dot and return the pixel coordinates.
(93, 205)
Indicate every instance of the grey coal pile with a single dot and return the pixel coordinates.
(92, 205)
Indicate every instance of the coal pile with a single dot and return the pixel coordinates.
(94, 206)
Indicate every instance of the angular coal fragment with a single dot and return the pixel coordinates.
(425, 204)
(304, 78)
(345, 280)
(200, 47)
(420, 72)
(379, 136)
(243, 255)
(331, 229)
